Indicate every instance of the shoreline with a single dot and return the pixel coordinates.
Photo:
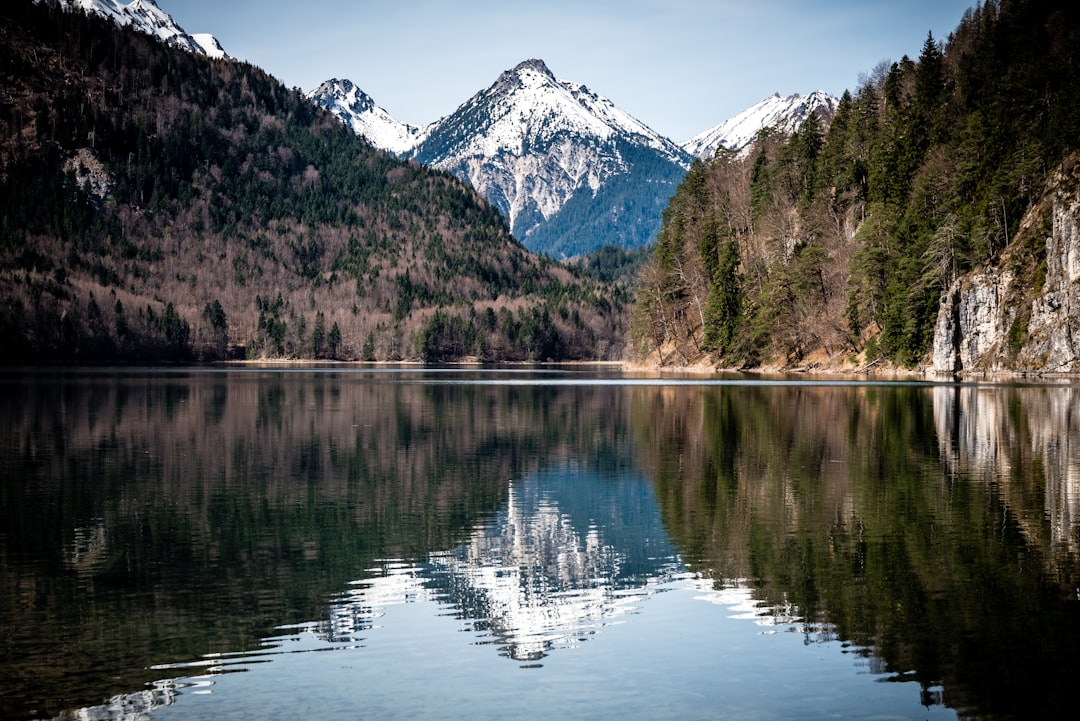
(808, 372)
(925, 374)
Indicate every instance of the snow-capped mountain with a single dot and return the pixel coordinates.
(527, 108)
(210, 45)
(360, 113)
(569, 170)
(147, 17)
(531, 143)
(779, 113)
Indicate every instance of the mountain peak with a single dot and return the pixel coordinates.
(345, 92)
(358, 110)
(532, 143)
(784, 114)
(145, 16)
(528, 73)
(533, 64)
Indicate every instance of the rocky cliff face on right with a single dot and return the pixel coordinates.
(1022, 314)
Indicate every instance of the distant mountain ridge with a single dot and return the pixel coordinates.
(367, 119)
(785, 114)
(147, 17)
(569, 170)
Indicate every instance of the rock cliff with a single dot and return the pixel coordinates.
(1023, 313)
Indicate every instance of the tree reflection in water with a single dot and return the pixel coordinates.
(153, 519)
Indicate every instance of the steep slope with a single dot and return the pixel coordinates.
(145, 16)
(157, 205)
(781, 114)
(210, 45)
(1023, 312)
(365, 118)
(534, 145)
(569, 170)
(925, 226)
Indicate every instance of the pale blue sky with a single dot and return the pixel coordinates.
(679, 66)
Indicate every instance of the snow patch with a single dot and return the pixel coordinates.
(365, 118)
(147, 17)
(783, 114)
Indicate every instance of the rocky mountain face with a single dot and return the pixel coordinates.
(1024, 312)
(785, 115)
(365, 118)
(147, 17)
(569, 170)
(534, 145)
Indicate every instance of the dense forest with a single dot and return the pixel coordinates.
(833, 246)
(157, 205)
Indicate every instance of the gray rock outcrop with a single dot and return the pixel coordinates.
(997, 319)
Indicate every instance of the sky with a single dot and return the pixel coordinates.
(679, 66)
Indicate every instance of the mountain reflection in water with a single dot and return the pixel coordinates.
(693, 548)
(559, 563)
(571, 553)
(551, 570)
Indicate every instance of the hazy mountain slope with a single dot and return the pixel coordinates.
(155, 204)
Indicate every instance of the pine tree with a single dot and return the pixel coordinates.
(333, 341)
(317, 346)
(723, 309)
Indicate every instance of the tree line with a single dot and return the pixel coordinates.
(838, 240)
(136, 176)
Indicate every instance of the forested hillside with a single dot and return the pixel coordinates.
(834, 245)
(156, 204)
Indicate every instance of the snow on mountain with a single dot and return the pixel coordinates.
(779, 113)
(527, 108)
(210, 45)
(531, 142)
(602, 108)
(568, 169)
(366, 119)
(147, 17)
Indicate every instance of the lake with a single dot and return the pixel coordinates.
(450, 543)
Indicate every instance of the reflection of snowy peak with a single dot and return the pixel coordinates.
(533, 581)
(550, 570)
(366, 119)
(147, 17)
(782, 114)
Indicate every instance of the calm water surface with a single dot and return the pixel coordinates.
(437, 543)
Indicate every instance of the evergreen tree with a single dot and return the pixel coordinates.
(317, 347)
(722, 313)
(333, 341)
(857, 227)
